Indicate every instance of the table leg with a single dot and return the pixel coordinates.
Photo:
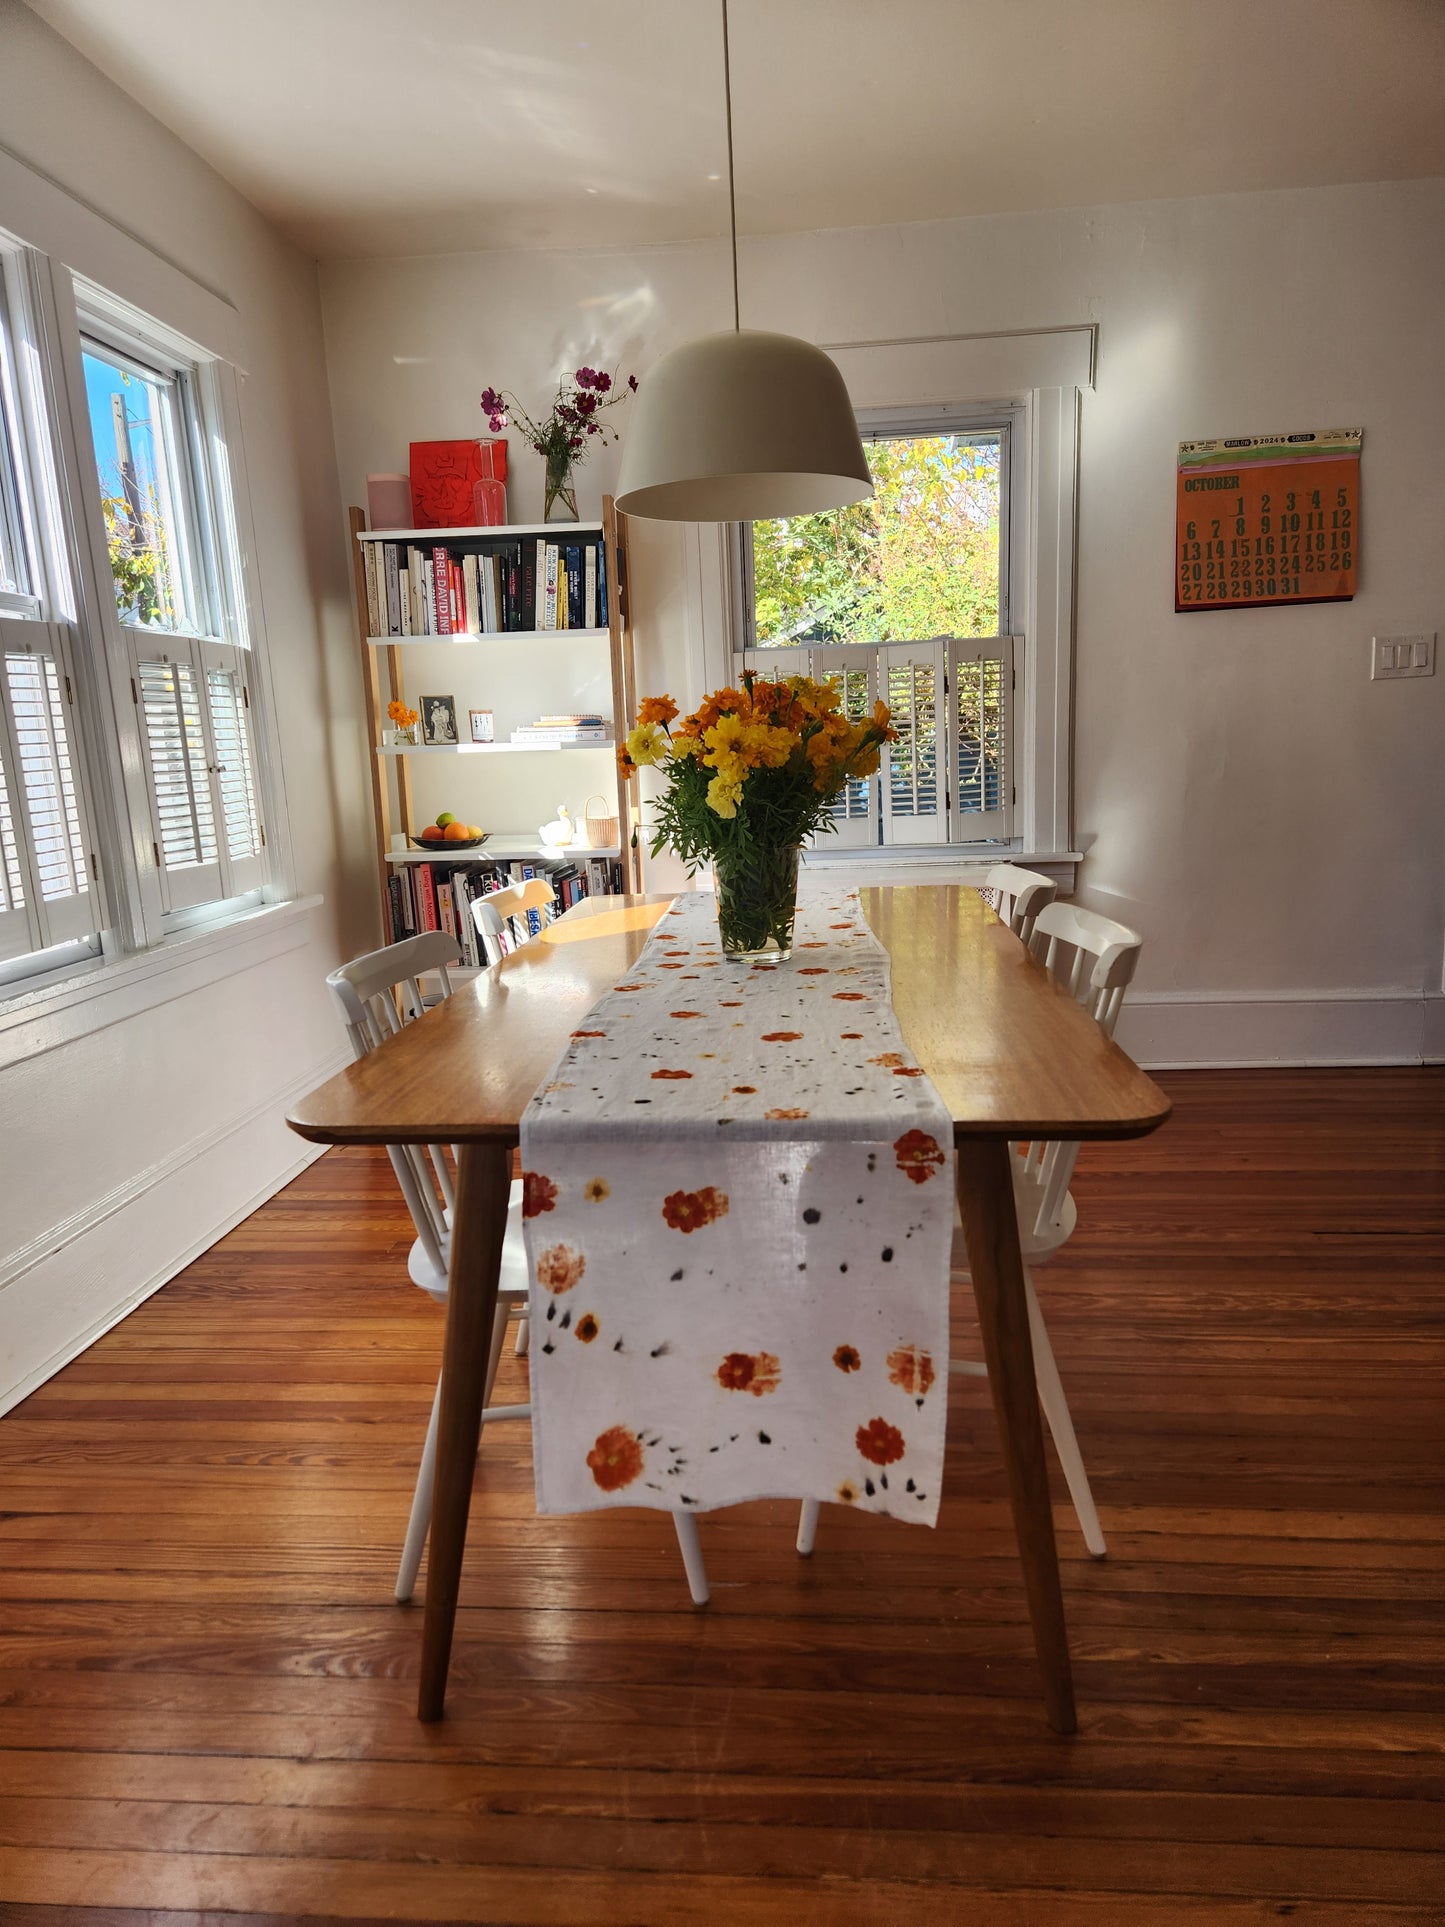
(990, 1225)
(479, 1225)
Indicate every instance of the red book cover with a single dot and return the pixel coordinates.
(446, 483)
(441, 579)
(426, 897)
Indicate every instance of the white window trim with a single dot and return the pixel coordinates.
(61, 229)
(1043, 493)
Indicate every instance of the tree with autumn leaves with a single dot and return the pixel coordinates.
(919, 559)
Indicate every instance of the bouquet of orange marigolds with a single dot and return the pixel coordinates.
(753, 773)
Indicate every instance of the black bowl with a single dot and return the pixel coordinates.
(438, 847)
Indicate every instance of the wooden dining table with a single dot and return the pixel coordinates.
(1009, 1051)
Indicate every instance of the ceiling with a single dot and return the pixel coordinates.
(365, 127)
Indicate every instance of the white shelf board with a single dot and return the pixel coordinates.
(485, 749)
(491, 635)
(503, 849)
(500, 532)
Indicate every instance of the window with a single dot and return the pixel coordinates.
(905, 598)
(188, 666)
(130, 727)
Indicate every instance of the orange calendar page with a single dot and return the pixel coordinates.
(1268, 518)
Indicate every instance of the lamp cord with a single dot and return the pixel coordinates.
(732, 188)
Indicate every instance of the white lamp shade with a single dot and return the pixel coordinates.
(742, 427)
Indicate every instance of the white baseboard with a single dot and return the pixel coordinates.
(1195, 1030)
(63, 1291)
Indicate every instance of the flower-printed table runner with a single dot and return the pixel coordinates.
(739, 1210)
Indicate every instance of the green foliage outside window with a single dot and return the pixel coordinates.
(137, 562)
(920, 559)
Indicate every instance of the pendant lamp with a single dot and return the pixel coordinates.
(741, 426)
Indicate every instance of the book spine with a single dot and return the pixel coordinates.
(393, 909)
(373, 601)
(469, 596)
(539, 571)
(441, 595)
(426, 897)
(514, 586)
(549, 604)
(408, 902)
(529, 585)
(446, 908)
(601, 586)
(494, 597)
(391, 564)
(589, 588)
(574, 586)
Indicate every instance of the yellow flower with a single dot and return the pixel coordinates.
(687, 746)
(766, 746)
(648, 744)
(724, 740)
(724, 793)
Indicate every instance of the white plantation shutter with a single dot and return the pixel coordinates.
(45, 893)
(229, 702)
(851, 669)
(915, 768)
(200, 767)
(981, 713)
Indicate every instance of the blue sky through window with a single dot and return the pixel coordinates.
(103, 381)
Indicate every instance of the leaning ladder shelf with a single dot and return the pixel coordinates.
(396, 758)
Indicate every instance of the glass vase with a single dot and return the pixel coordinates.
(757, 898)
(560, 494)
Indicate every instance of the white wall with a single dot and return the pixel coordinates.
(125, 1148)
(1264, 814)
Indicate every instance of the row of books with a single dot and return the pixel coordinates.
(485, 588)
(564, 729)
(433, 896)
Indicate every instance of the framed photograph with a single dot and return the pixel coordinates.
(481, 725)
(438, 721)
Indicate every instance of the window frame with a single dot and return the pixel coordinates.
(943, 831)
(48, 309)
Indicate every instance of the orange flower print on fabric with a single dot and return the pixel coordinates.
(684, 1013)
(782, 1112)
(879, 1442)
(906, 1070)
(751, 1372)
(851, 1036)
(691, 1210)
(849, 997)
(596, 1189)
(589, 1033)
(887, 1060)
(911, 1369)
(813, 970)
(616, 1459)
(586, 1328)
(657, 1074)
(846, 1358)
(781, 1036)
(539, 1194)
(745, 1090)
(918, 1155)
(847, 1493)
(559, 1268)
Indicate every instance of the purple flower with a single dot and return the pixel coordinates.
(492, 402)
(601, 383)
(592, 428)
(632, 383)
(586, 377)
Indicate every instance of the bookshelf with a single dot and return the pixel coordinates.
(385, 658)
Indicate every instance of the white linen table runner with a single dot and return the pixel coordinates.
(738, 1204)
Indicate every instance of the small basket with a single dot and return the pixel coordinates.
(599, 832)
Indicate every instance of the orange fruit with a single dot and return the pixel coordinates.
(457, 833)
(431, 834)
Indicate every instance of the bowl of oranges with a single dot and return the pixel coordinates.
(449, 833)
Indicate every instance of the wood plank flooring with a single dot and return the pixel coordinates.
(207, 1696)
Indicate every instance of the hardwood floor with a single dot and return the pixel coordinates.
(207, 1697)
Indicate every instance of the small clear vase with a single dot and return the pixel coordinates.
(757, 899)
(560, 493)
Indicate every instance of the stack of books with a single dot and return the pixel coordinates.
(438, 896)
(558, 730)
(476, 586)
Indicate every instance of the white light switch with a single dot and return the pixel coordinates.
(1401, 656)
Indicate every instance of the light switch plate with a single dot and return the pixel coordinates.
(1401, 656)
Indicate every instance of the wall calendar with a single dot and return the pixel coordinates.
(1265, 519)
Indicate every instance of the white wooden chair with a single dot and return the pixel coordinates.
(491, 914)
(1019, 895)
(1095, 959)
(366, 993)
